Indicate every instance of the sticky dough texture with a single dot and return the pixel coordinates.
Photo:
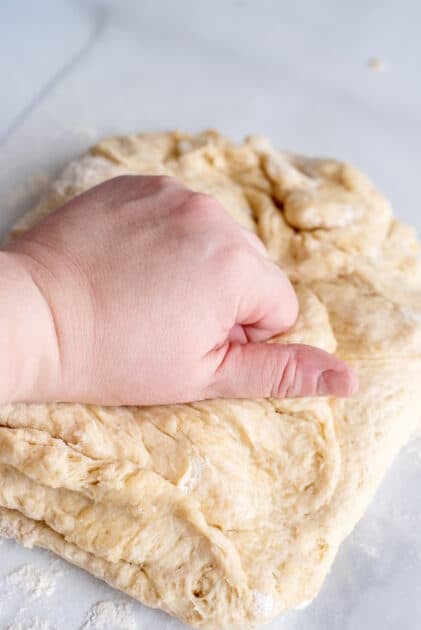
(226, 512)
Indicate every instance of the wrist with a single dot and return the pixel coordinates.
(29, 354)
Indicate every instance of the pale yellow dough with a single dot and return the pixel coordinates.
(225, 513)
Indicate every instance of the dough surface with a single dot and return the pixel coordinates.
(225, 513)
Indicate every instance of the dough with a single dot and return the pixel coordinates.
(226, 512)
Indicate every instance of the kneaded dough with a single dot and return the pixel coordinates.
(226, 512)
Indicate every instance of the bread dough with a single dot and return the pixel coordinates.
(226, 512)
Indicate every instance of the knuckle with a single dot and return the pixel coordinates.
(198, 199)
(162, 182)
(206, 205)
(288, 300)
(233, 258)
(257, 243)
(198, 210)
(285, 380)
(122, 180)
(290, 314)
(157, 182)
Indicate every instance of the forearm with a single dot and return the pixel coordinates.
(28, 349)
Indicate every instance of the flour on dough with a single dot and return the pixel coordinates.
(225, 513)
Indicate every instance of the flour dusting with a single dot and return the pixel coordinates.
(110, 615)
(192, 476)
(33, 624)
(263, 603)
(33, 581)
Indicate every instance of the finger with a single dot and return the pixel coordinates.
(254, 241)
(268, 304)
(237, 334)
(259, 370)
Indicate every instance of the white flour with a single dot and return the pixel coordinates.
(33, 581)
(110, 615)
(31, 585)
(33, 624)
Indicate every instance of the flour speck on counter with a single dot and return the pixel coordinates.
(32, 581)
(110, 615)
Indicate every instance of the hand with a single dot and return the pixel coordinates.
(155, 294)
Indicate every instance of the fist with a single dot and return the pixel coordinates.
(157, 295)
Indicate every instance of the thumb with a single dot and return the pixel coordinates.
(261, 370)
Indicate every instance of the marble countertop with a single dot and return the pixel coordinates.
(73, 71)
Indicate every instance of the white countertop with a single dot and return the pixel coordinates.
(73, 71)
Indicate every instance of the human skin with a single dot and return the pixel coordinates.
(141, 291)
